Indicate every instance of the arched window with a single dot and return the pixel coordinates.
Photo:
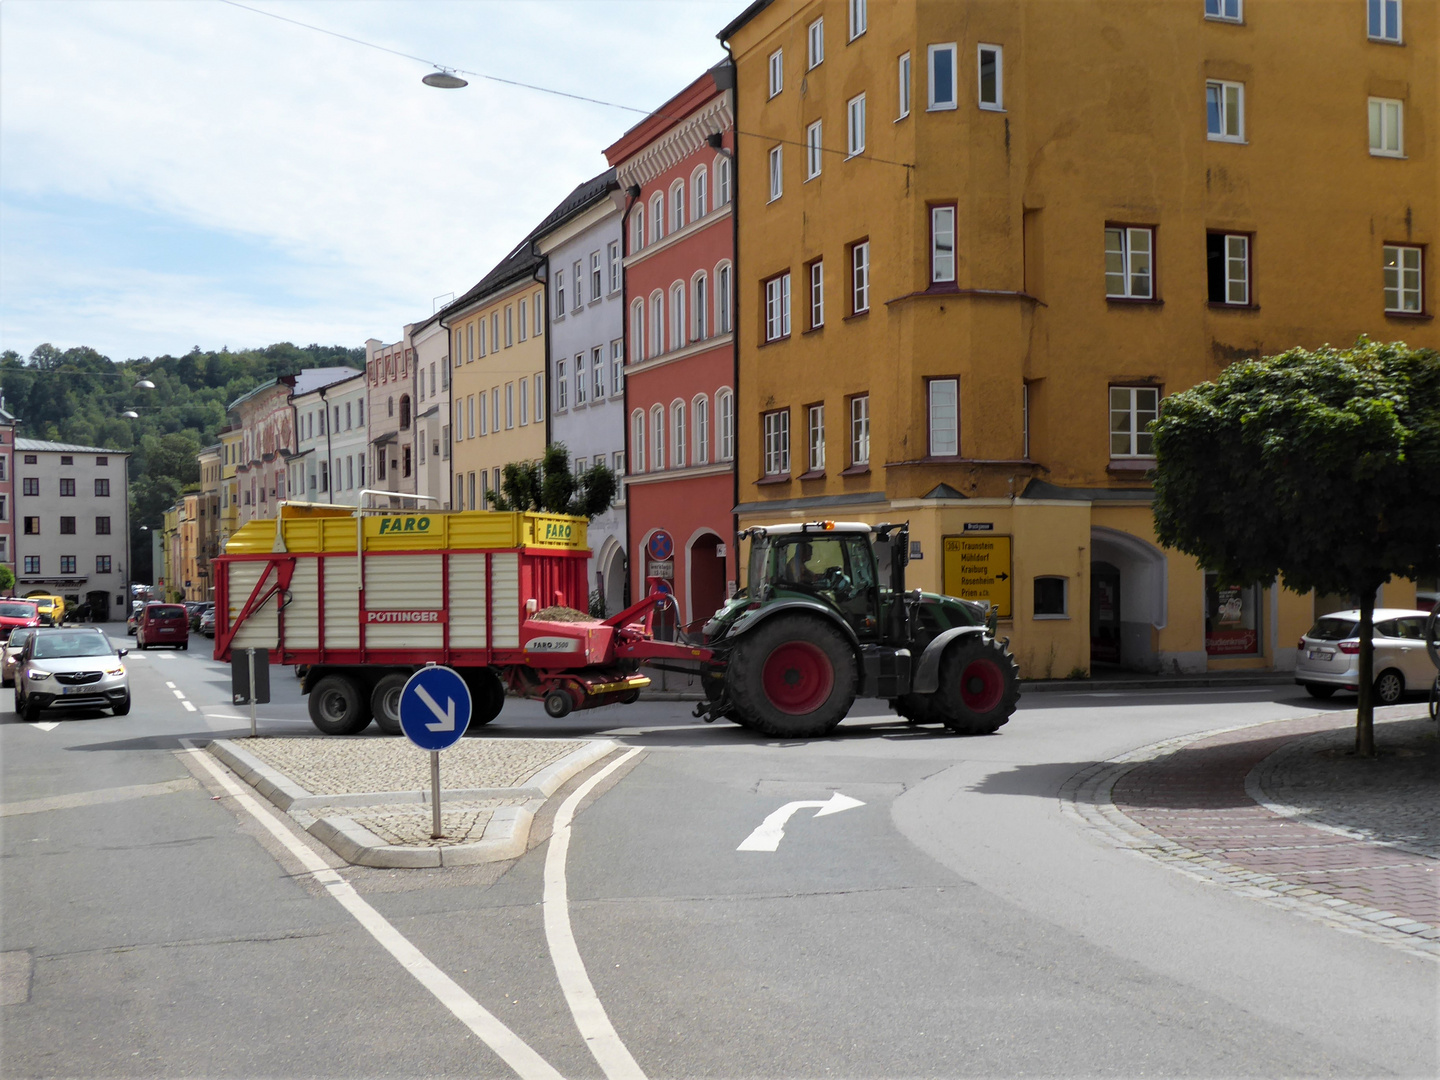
(657, 217)
(657, 438)
(677, 441)
(637, 228)
(677, 316)
(699, 305)
(657, 323)
(701, 407)
(637, 329)
(722, 299)
(405, 412)
(725, 420)
(699, 185)
(637, 442)
(677, 206)
(722, 180)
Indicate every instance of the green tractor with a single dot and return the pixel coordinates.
(825, 618)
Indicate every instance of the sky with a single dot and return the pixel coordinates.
(188, 172)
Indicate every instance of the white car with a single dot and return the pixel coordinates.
(10, 653)
(1329, 654)
(71, 669)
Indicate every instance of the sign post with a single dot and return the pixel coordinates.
(250, 679)
(434, 726)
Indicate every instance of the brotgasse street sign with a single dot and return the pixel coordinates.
(978, 568)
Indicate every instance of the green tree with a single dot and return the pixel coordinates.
(7, 580)
(1320, 467)
(549, 486)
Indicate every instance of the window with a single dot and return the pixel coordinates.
(1025, 420)
(1227, 258)
(4, 512)
(613, 252)
(942, 244)
(943, 93)
(597, 279)
(657, 217)
(637, 440)
(657, 438)
(579, 300)
(860, 430)
(581, 387)
(777, 72)
(495, 408)
(509, 406)
(67, 564)
(32, 526)
(701, 408)
(1225, 111)
(102, 564)
(524, 311)
(700, 304)
(1384, 20)
(562, 386)
(617, 366)
(858, 18)
(723, 299)
(944, 417)
(725, 415)
(67, 526)
(677, 316)
(699, 194)
(1387, 123)
(538, 305)
(860, 277)
(777, 308)
(1131, 410)
(777, 177)
(722, 181)
(524, 402)
(67, 459)
(903, 71)
(1404, 283)
(816, 437)
(3, 462)
(637, 329)
(813, 150)
(32, 564)
(30, 485)
(992, 77)
(31, 459)
(1050, 598)
(1228, 10)
(597, 373)
(578, 468)
(509, 327)
(1128, 262)
(678, 442)
(475, 405)
(98, 461)
(815, 44)
(817, 294)
(494, 331)
(657, 323)
(855, 110)
(777, 442)
(637, 229)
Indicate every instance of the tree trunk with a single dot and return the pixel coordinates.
(1365, 713)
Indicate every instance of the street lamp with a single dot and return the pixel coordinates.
(442, 79)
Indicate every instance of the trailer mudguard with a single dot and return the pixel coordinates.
(927, 672)
(752, 619)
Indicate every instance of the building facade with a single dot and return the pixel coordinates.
(674, 169)
(980, 243)
(208, 536)
(74, 537)
(231, 443)
(7, 488)
(582, 245)
(390, 370)
(432, 422)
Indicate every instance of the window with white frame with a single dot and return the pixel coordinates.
(525, 322)
(524, 402)
(539, 315)
(991, 74)
(657, 438)
(495, 408)
(700, 305)
(677, 206)
(855, 111)
(479, 340)
(777, 442)
(509, 327)
(677, 316)
(470, 408)
(1404, 281)
(942, 244)
(860, 430)
(944, 417)
(637, 228)
(699, 194)
(777, 307)
(817, 294)
(597, 277)
(777, 72)
(1050, 598)
(582, 385)
(723, 299)
(494, 331)
(657, 323)
(509, 406)
(725, 419)
(815, 44)
(942, 79)
(1387, 124)
(813, 151)
(1129, 273)
(637, 441)
(722, 180)
(815, 438)
(1132, 408)
(1224, 10)
(579, 300)
(657, 217)
(597, 373)
(617, 366)
(1384, 20)
(637, 329)
(860, 277)
(701, 411)
(613, 251)
(1225, 111)
(902, 71)
(777, 172)
(859, 18)
(1227, 262)
(539, 396)
(678, 443)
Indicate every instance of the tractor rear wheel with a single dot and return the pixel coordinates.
(979, 686)
(792, 677)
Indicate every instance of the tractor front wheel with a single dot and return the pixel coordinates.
(979, 686)
(792, 677)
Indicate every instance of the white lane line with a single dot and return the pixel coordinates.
(179, 694)
(188, 706)
(513, 1050)
(590, 1017)
(95, 798)
(171, 685)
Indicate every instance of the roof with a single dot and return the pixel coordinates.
(581, 199)
(714, 82)
(315, 378)
(743, 18)
(32, 445)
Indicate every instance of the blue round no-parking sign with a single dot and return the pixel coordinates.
(435, 708)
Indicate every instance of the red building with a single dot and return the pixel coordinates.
(675, 169)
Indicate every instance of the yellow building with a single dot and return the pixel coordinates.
(497, 386)
(979, 242)
(170, 545)
(230, 445)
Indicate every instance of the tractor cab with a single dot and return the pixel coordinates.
(835, 565)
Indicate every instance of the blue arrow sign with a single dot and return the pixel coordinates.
(435, 708)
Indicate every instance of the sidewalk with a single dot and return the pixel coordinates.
(1284, 812)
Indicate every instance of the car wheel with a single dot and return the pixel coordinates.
(185, 646)
(1317, 690)
(140, 642)
(1389, 687)
(123, 709)
(29, 712)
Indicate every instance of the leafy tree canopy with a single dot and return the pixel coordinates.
(548, 485)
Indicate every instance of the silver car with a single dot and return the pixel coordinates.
(71, 669)
(1329, 654)
(10, 652)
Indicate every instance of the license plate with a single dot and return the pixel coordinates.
(77, 690)
(1322, 654)
(167, 629)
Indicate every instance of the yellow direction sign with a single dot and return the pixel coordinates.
(978, 568)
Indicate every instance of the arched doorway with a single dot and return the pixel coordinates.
(1127, 599)
(612, 580)
(706, 593)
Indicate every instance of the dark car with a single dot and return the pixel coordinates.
(163, 624)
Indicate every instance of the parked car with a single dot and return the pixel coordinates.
(10, 653)
(207, 622)
(197, 612)
(70, 669)
(1329, 654)
(51, 609)
(17, 613)
(163, 624)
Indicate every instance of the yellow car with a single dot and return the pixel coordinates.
(51, 608)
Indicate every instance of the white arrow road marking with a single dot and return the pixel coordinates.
(772, 830)
(444, 718)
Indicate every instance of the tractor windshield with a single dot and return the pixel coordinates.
(842, 565)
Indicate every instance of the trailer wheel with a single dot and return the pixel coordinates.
(979, 686)
(792, 677)
(558, 704)
(487, 695)
(338, 706)
(385, 702)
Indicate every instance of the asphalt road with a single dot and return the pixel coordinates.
(956, 923)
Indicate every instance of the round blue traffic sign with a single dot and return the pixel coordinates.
(660, 585)
(661, 547)
(435, 708)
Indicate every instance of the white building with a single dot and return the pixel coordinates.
(432, 412)
(73, 535)
(329, 464)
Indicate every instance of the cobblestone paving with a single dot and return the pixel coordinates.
(337, 766)
(462, 822)
(1192, 803)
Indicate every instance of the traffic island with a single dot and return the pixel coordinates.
(369, 800)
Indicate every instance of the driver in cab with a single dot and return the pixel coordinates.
(796, 570)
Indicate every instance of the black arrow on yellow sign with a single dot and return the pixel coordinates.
(1001, 577)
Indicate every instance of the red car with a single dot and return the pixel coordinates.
(15, 613)
(163, 624)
